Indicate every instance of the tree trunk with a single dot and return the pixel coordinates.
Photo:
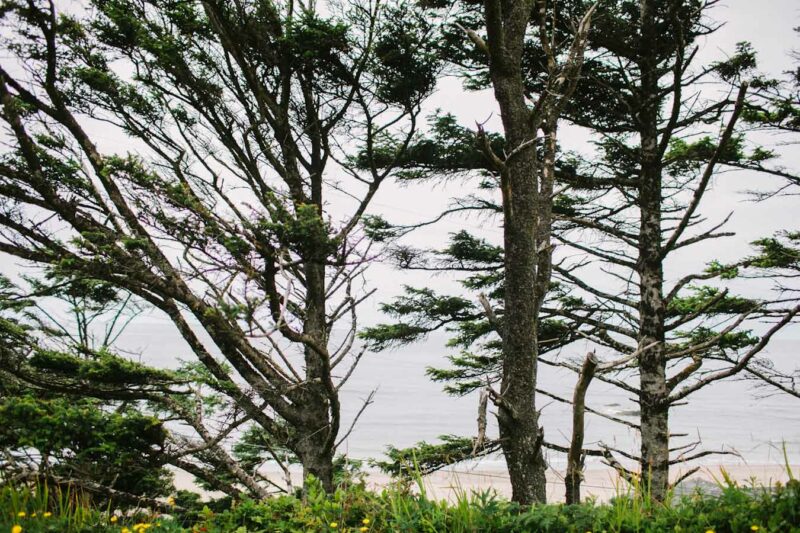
(520, 434)
(319, 423)
(575, 457)
(653, 393)
(318, 462)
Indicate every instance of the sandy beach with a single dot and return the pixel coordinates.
(599, 483)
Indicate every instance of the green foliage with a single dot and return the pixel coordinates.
(101, 367)
(420, 312)
(378, 229)
(734, 511)
(304, 232)
(44, 509)
(384, 336)
(471, 250)
(739, 64)
(406, 64)
(395, 510)
(479, 362)
(315, 43)
(779, 252)
(447, 148)
(354, 508)
(51, 425)
(722, 271)
(722, 342)
(566, 205)
(77, 439)
(685, 158)
(424, 458)
(709, 301)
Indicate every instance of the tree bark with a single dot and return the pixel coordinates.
(520, 434)
(653, 395)
(319, 423)
(575, 457)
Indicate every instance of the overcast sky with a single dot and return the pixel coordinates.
(768, 24)
(406, 393)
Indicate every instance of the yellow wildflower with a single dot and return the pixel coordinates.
(21, 514)
(170, 501)
(754, 528)
(334, 525)
(709, 531)
(47, 514)
(141, 527)
(113, 519)
(16, 529)
(365, 521)
(125, 530)
(363, 529)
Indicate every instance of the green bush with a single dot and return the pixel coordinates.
(353, 508)
(43, 509)
(736, 510)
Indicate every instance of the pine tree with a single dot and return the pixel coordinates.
(664, 127)
(240, 121)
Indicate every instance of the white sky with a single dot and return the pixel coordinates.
(406, 392)
(768, 24)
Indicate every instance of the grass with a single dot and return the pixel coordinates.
(44, 509)
(353, 508)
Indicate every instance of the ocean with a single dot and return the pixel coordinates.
(747, 422)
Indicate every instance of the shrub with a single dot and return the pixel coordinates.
(353, 508)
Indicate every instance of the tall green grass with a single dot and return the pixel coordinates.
(407, 508)
(42, 508)
(399, 510)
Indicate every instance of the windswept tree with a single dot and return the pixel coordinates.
(235, 205)
(112, 450)
(667, 128)
(775, 107)
(521, 162)
(664, 128)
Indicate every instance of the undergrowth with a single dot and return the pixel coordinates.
(354, 508)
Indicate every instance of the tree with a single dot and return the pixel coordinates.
(775, 107)
(659, 154)
(243, 121)
(523, 167)
(110, 450)
(624, 213)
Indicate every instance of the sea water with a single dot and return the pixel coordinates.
(745, 421)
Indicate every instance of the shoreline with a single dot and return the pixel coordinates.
(600, 483)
